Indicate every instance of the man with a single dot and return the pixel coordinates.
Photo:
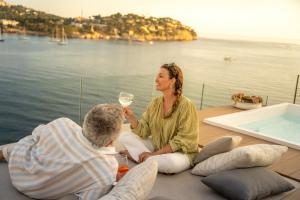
(62, 158)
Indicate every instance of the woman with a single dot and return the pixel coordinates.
(168, 130)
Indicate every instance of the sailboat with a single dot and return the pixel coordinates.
(63, 40)
(1, 33)
(54, 37)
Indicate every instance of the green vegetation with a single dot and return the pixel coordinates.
(116, 26)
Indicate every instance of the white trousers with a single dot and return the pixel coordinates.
(167, 163)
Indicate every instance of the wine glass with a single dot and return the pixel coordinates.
(125, 98)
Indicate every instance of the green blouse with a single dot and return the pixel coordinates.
(179, 129)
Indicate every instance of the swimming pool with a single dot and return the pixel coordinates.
(278, 123)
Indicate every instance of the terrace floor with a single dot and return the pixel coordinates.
(288, 165)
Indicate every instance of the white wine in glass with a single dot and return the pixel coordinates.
(125, 98)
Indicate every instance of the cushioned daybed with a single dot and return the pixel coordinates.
(176, 187)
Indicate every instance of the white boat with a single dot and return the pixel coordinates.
(63, 40)
(54, 36)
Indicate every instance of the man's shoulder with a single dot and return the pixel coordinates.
(63, 120)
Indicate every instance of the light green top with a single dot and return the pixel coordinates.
(179, 129)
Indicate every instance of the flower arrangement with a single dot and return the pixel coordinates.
(241, 97)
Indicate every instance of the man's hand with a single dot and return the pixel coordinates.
(1, 155)
(119, 176)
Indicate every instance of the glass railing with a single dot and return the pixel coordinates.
(24, 104)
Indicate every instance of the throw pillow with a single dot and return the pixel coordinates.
(219, 145)
(247, 184)
(136, 184)
(241, 157)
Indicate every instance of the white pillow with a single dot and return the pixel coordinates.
(241, 157)
(136, 184)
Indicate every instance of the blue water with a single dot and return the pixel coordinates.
(286, 127)
(40, 81)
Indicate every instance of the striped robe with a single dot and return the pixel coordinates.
(57, 160)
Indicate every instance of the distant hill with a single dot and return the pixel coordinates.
(116, 26)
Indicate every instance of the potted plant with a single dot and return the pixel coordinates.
(246, 102)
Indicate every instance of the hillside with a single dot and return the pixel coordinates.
(116, 26)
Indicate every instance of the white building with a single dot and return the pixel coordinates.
(7, 22)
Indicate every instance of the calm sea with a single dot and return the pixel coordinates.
(41, 81)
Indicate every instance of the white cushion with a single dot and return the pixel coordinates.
(241, 157)
(136, 184)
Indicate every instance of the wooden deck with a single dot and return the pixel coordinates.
(288, 165)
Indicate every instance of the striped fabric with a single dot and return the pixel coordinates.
(57, 160)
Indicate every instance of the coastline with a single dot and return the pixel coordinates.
(99, 36)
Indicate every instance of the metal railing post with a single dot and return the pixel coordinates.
(80, 100)
(296, 89)
(202, 94)
(266, 102)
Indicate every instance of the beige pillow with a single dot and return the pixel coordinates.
(219, 145)
(136, 184)
(241, 157)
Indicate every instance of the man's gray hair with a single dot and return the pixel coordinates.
(103, 123)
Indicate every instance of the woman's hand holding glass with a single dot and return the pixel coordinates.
(128, 112)
(130, 117)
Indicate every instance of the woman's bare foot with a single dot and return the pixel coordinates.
(1, 156)
(125, 152)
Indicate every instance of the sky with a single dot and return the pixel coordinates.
(263, 20)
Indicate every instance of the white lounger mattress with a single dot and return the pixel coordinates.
(180, 186)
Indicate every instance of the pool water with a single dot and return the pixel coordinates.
(285, 127)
